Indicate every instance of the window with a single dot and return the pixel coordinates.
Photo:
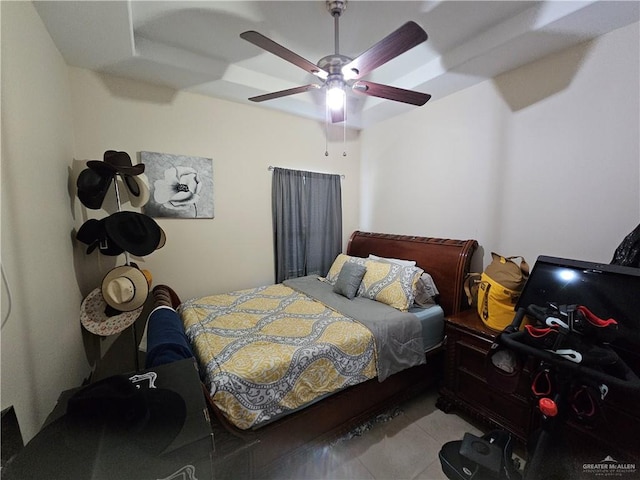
(307, 222)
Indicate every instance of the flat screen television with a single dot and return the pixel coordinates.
(609, 291)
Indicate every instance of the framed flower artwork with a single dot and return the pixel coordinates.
(180, 186)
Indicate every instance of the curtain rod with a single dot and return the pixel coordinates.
(272, 167)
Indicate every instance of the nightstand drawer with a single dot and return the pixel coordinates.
(473, 360)
(511, 413)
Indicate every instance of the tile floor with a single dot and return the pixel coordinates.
(405, 447)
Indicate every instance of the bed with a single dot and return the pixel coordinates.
(354, 373)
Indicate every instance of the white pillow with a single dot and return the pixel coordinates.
(404, 263)
(426, 291)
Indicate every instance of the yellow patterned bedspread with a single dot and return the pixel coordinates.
(269, 350)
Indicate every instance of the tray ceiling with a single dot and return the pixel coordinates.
(195, 45)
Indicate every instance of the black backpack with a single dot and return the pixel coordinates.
(628, 252)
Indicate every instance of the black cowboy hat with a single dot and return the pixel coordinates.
(134, 232)
(94, 234)
(117, 162)
(111, 429)
(93, 185)
(149, 416)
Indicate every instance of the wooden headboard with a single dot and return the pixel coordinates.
(447, 261)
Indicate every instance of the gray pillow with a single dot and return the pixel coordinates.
(349, 279)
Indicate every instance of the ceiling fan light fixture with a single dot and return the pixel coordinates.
(335, 97)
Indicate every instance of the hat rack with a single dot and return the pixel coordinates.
(91, 192)
(119, 207)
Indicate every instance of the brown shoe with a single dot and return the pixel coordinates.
(165, 296)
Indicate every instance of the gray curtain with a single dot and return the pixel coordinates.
(307, 222)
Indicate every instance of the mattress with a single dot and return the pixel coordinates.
(432, 322)
(270, 350)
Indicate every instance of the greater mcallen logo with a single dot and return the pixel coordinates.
(609, 467)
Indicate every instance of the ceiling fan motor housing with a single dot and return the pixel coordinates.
(336, 7)
(333, 63)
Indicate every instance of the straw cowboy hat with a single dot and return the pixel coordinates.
(125, 288)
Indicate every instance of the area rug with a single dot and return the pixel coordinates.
(368, 425)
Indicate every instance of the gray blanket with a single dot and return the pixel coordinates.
(398, 335)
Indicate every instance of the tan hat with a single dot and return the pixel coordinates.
(93, 316)
(163, 239)
(138, 187)
(125, 288)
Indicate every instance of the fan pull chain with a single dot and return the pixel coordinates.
(326, 129)
(327, 112)
(344, 140)
(344, 128)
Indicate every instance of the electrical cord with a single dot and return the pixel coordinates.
(6, 283)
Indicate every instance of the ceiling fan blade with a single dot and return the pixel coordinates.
(283, 93)
(391, 93)
(270, 46)
(396, 43)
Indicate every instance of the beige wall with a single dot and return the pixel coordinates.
(42, 350)
(235, 249)
(53, 119)
(541, 160)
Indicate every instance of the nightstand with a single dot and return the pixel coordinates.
(465, 387)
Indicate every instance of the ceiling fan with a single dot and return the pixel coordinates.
(339, 72)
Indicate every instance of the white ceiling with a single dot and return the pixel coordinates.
(195, 45)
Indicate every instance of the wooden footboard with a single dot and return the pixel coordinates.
(448, 262)
(259, 453)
